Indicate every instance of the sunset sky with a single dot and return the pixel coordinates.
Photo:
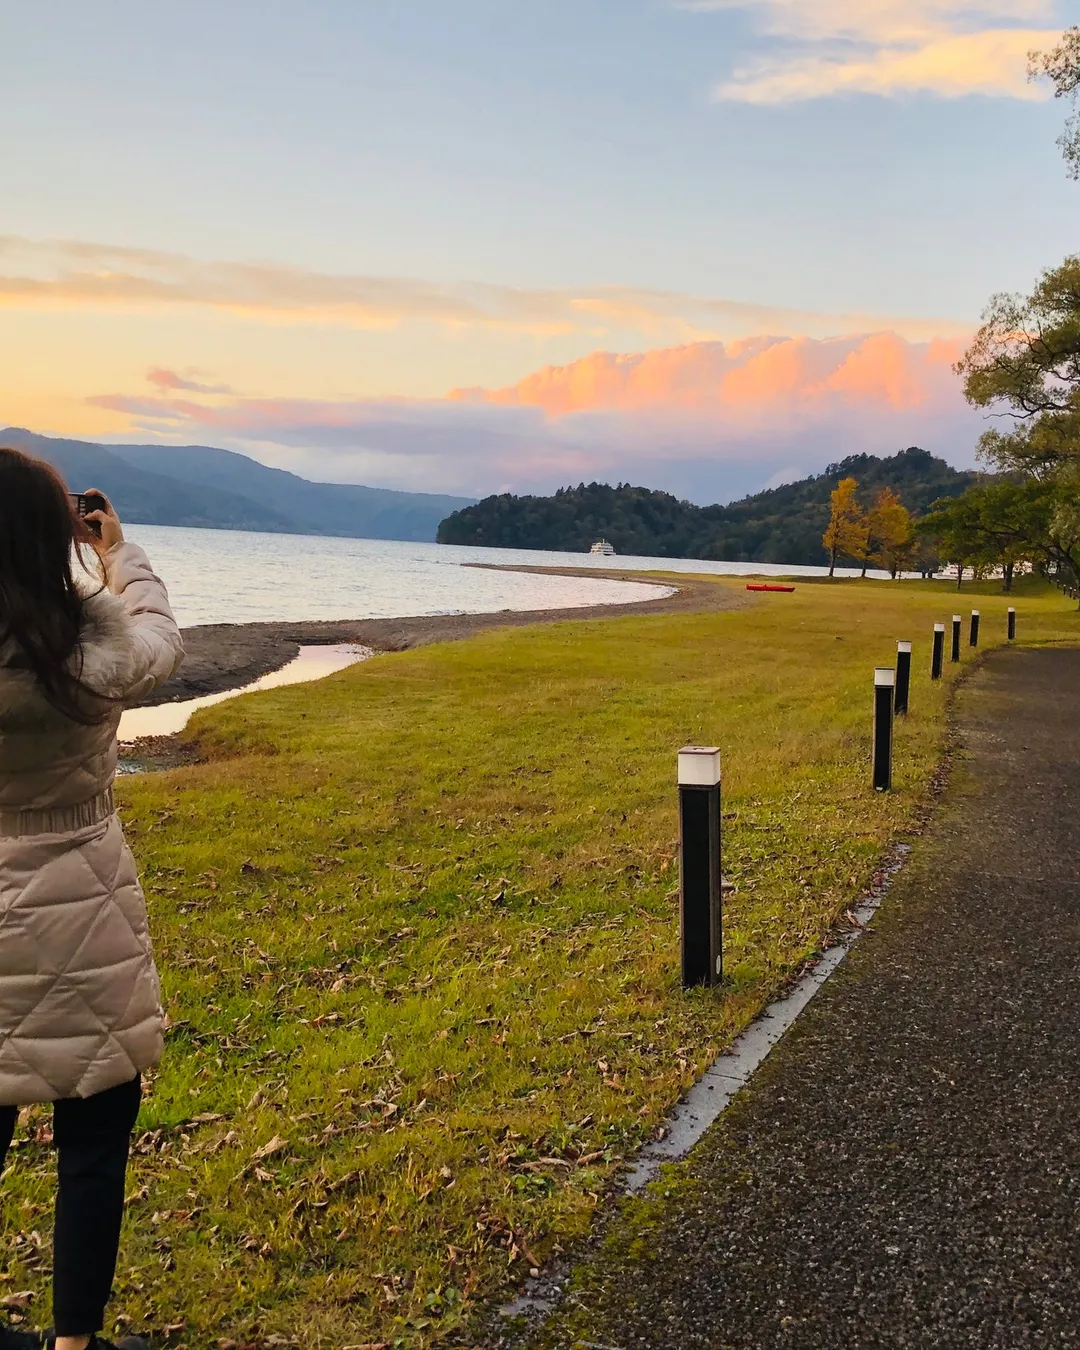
(485, 245)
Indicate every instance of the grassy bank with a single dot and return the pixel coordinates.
(418, 934)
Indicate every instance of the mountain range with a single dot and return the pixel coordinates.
(200, 485)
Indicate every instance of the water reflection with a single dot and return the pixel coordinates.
(312, 663)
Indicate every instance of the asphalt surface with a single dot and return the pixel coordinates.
(904, 1170)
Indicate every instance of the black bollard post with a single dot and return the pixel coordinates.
(973, 640)
(699, 865)
(1012, 624)
(903, 677)
(939, 651)
(884, 684)
(956, 622)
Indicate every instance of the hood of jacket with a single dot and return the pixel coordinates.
(46, 759)
(104, 661)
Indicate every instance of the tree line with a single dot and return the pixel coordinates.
(780, 525)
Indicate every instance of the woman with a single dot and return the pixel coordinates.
(80, 1014)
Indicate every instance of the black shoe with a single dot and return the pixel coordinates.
(12, 1338)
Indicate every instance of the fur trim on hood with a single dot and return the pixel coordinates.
(107, 641)
(105, 662)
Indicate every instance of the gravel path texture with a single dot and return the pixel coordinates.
(904, 1170)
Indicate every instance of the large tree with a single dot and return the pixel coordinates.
(1024, 367)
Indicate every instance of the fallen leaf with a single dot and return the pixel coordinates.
(268, 1150)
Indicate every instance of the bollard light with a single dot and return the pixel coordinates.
(903, 677)
(939, 651)
(700, 932)
(956, 622)
(973, 640)
(884, 686)
(1012, 624)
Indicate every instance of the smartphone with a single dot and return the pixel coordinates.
(85, 502)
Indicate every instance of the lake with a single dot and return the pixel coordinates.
(232, 576)
(166, 719)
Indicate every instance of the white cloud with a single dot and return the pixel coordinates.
(951, 48)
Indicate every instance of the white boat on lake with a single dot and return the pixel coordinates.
(603, 548)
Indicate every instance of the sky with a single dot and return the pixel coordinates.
(503, 245)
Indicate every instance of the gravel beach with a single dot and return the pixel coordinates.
(229, 656)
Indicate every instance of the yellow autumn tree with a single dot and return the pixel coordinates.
(889, 532)
(846, 534)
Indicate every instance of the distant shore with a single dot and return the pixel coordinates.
(228, 656)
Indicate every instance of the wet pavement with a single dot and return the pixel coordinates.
(904, 1170)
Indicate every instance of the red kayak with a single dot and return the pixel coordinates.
(757, 586)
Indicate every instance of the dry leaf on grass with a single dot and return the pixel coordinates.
(274, 1146)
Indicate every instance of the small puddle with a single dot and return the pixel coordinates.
(311, 663)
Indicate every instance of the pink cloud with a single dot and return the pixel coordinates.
(161, 378)
(740, 380)
(707, 420)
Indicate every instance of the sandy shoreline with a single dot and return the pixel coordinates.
(229, 656)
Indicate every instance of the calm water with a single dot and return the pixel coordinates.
(229, 576)
(312, 663)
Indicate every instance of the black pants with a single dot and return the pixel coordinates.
(92, 1136)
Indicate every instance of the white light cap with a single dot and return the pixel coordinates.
(939, 628)
(885, 675)
(904, 647)
(974, 613)
(958, 618)
(1011, 610)
(699, 766)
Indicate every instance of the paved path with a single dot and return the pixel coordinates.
(905, 1169)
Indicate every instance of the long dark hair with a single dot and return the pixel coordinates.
(41, 606)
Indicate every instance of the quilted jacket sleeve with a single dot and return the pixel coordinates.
(159, 648)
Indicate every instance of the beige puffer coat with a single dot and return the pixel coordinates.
(80, 1009)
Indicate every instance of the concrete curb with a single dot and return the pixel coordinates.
(731, 1071)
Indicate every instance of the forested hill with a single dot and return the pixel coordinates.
(783, 525)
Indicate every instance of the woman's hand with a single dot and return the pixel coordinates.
(111, 532)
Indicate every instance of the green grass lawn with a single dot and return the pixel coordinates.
(417, 927)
